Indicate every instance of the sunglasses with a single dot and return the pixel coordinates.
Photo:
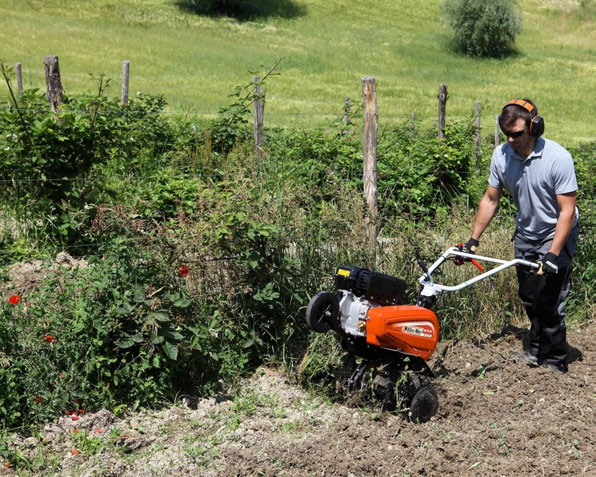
(513, 134)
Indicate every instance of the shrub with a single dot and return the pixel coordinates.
(483, 28)
(54, 167)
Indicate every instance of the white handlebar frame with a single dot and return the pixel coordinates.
(432, 289)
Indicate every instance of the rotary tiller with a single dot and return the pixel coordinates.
(392, 340)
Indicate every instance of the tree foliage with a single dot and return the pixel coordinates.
(481, 28)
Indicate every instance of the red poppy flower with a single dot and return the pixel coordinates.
(13, 300)
(50, 339)
(75, 418)
(183, 271)
(61, 375)
(37, 398)
(75, 452)
(98, 430)
(74, 431)
(82, 411)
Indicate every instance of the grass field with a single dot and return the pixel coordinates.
(326, 46)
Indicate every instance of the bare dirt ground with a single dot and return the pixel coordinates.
(497, 417)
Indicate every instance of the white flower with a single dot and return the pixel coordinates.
(7, 148)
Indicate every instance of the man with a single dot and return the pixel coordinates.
(539, 175)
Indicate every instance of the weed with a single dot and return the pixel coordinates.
(88, 444)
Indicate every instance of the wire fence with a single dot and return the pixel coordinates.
(345, 112)
(278, 104)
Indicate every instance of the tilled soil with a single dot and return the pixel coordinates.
(497, 417)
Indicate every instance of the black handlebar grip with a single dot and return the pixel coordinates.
(423, 266)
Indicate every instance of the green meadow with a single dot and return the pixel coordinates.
(325, 47)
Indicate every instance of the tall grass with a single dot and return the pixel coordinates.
(327, 47)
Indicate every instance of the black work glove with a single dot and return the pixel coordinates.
(548, 264)
(470, 247)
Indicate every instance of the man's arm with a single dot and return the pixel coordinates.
(486, 210)
(566, 203)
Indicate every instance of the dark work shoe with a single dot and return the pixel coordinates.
(526, 357)
(557, 369)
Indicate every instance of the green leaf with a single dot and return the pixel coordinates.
(139, 293)
(160, 316)
(125, 341)
(182, 302)
(170, 349)
(137, 338)
(157, 339)
(170, 333)
(248, 344)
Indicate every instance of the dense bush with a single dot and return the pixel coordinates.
(136, 329)
(483, 28)
(60, 166)
(88, 131)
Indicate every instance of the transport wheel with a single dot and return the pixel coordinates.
(424, 404)
(323, 308)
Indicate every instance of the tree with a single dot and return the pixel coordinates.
(481, 27)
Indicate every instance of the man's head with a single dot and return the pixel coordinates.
(522, 109)
(521, 124)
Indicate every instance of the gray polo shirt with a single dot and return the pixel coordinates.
(534, 183)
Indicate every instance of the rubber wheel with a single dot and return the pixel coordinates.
(322, 308)
(424, 404)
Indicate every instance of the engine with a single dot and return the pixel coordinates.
(373, 286)
(371, 310)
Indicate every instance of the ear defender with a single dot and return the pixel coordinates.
(536, 123)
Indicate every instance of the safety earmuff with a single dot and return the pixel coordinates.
(536, 123)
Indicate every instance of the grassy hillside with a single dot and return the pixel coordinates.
(327, 46)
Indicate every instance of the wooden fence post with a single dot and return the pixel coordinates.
(125, 79)
(371, 127)
(54, 93)
(413, 124)
(258, 113)
(442, 103)
(478, 141)
(496, 130)
(19, 72)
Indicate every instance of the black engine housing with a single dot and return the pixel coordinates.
(374, 286)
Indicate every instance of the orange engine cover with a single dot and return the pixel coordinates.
(411, 329)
